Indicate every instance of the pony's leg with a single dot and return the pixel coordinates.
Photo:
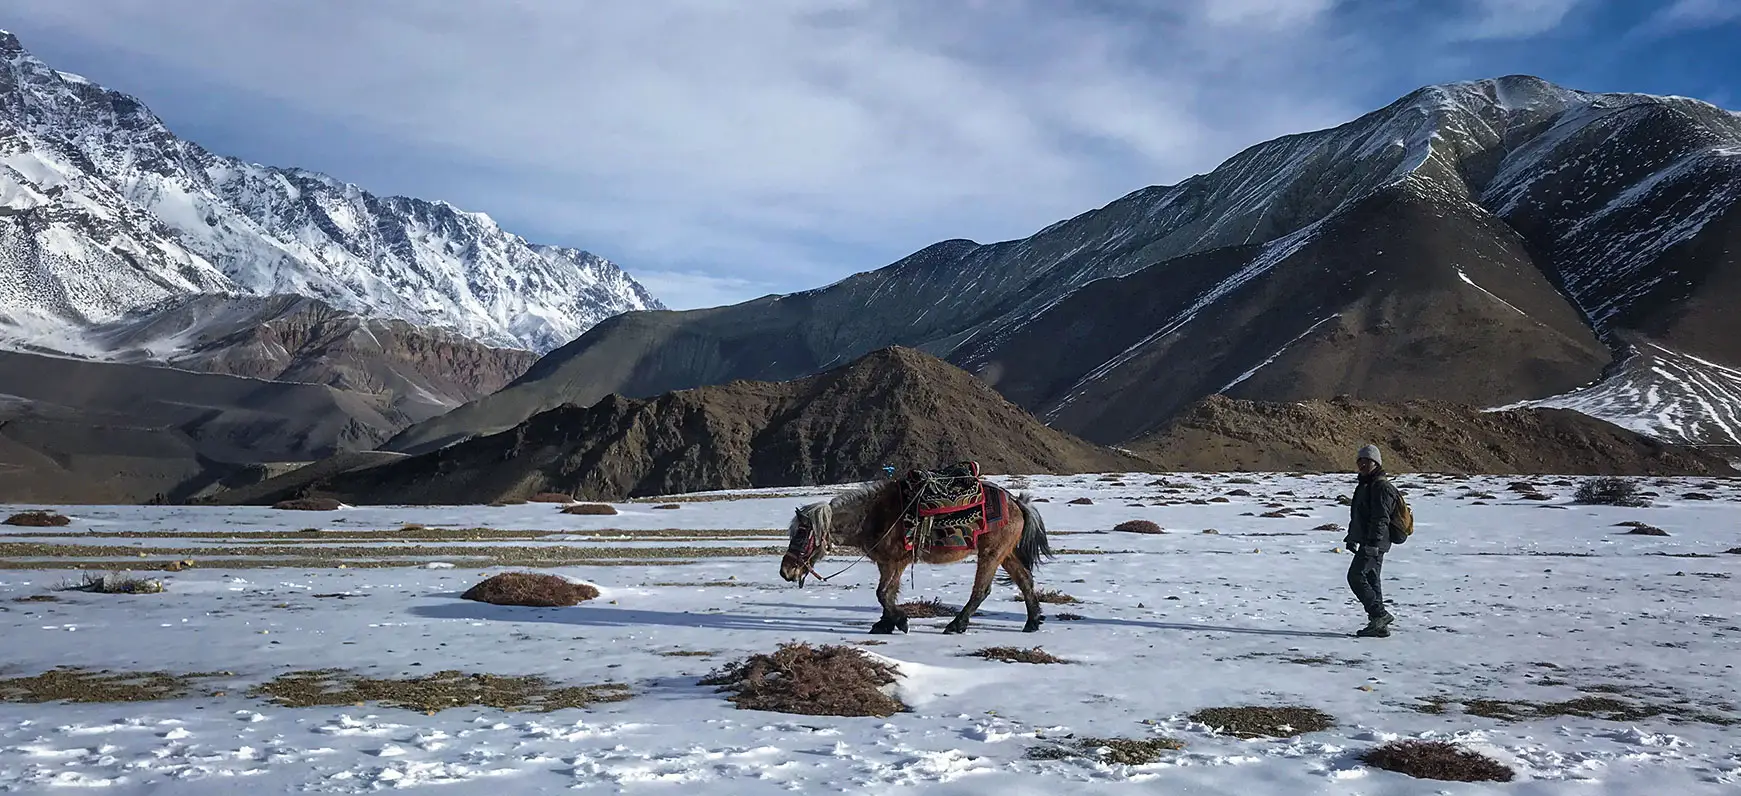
(988, 563)
(888, 589)
(1025, 581)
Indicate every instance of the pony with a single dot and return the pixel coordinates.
(873, 519)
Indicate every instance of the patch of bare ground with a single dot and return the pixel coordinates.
(1641, 529)
(1605, 707)
(501, 553)
(927, 609)
(1016, 655)
(1436, 760)
(590, 509)
(531, 589)
(1253, 721)
(1735, 551)
(1121, 751)
(688, 654)
(37, 598)
(76, 684)
(668, 506)
(822, 681)
(1068, 617)
(1138, 526)
(117, 583)
(718, 583)
(550, 497)
(38, 519)
(308, 504)
(435, 692)
(717, 498)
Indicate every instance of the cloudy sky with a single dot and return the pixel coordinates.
(720, 150)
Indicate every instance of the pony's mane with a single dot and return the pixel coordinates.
(848, 508)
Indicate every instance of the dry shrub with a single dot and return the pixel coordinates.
(1734, 551)
(38, 519)
(1641, 529)
(589, 508)
(439, 691)
(550, 497)
(1265, 722)
(1138, 526)
(1082, 501)
(1017, 655)
(118, 583)
(927, 609)
(1610, 491)
(308, 504)
(530, 589)
(668, 506)
(1437, 760)
(77, 684)
(826, 681)
(1068, 617)
(1052, 596)
(1696, 496)
(496, 504)
(1121, 751)
(1328, 526)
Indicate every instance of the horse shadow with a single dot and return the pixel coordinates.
(1019, 617)
(599, 616)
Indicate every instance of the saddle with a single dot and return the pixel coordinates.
(950, 507)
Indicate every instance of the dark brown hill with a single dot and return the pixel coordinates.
(1221, 434)
(893, 406)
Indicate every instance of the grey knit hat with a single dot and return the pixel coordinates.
(1370, 452)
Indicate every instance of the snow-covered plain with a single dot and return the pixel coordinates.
(1500, 598)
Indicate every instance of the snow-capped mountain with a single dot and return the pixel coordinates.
(1483, 242)
(104, 210)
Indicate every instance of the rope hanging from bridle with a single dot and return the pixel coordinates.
(807, 570)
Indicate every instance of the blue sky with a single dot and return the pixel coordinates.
(720, 150)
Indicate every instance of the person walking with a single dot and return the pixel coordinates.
(1375, 502)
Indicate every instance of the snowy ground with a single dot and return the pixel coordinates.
(1496, 598)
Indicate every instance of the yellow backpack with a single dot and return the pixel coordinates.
(1402, 523)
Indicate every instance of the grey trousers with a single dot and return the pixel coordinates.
(1363, 574)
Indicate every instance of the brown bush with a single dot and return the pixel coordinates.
(927, 609)
(1138, 526)
(1640, 529)
(826, 681)
(550, 497)
(589, 508)
(1437, 760)
(668, 506)
(1265, 722)
(1082, 501)
(308, 504)
(1017, 655)
(38, 519)
(530, 589)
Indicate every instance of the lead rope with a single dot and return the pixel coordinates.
(880, 539)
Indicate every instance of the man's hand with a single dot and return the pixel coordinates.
(1353, 547)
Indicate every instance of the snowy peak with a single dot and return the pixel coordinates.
(104, 210)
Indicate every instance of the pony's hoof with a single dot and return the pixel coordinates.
(881, 629)
(1033, 625)
(952, 628)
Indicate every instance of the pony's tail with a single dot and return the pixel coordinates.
(1033, 546)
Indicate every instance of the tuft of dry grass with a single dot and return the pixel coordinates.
(668, 506)
(1610, 491)
(38, 519)
(532, 589)
(1138, 526)
(590, 509)
(1641, 529)
(308, 504)
(1082, 501)
(1265, 722)
(117, 583)
(1016, 655)
(927, 609)
(1050, 596)
(76, 684)
(550, 497)
(688, 654)
(825, 681)
(1437, 760)
(439, 691)
(1120, 751)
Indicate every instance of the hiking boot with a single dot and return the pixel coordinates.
(1378, 626)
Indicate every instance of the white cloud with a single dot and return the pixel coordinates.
(1515, 19)
(764, 144)
(1693, 14)
(687, 290)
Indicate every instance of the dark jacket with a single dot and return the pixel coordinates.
(1374, 503)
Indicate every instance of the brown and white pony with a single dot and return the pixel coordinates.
(872, 519)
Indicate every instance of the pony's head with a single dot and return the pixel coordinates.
(806, 542)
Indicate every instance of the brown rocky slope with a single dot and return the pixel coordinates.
(894, 406)
(1220, 434)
